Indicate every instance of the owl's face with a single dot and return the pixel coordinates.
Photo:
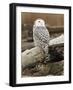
(39, 22)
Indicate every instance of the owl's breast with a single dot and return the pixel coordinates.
(41, 34)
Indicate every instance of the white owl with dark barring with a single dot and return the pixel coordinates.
(41, 36)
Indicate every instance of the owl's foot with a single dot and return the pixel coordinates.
(47, 59)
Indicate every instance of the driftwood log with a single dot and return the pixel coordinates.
(31, 56)
(41, 69)
(35, 54)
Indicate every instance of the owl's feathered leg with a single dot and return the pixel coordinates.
(47, 55)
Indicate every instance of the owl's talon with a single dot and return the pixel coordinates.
(47, 59)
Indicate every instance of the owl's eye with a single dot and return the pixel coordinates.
(38, 21)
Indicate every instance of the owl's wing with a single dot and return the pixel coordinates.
(42, 34)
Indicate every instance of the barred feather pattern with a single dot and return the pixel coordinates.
(41, 38)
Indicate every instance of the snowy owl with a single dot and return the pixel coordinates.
(41, 36)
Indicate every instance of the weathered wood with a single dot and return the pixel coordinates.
(57, 41)
(48, 69)
(36, 54)
(56, 68)
(31, 56)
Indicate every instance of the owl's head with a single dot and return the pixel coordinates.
(39, 22)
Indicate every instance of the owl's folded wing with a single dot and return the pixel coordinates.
(42, 35)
